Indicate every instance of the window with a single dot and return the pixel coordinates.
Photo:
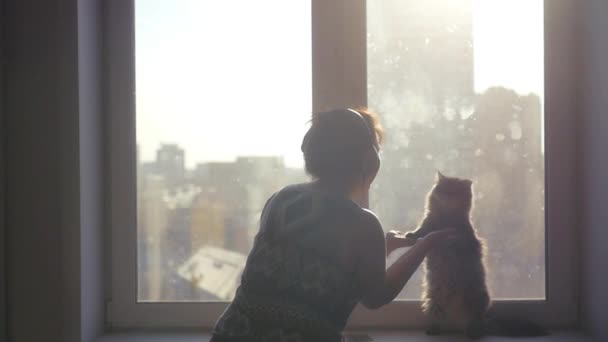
(193, 155)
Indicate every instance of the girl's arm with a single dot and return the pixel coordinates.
(381, 286)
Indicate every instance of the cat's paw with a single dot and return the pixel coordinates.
(410, 235)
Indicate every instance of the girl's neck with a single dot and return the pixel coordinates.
(359, 193)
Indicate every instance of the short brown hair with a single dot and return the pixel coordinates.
(337, 142)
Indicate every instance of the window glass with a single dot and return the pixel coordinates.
(214, 81)
(459, 85)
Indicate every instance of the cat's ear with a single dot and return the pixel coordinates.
(439, 176)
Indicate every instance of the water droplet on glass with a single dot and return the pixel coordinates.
(500, 137)
(466, 112)
(509, 156)
(515, 128)
(429, 157)
(449, 114)
(478, 152)
(440, 165)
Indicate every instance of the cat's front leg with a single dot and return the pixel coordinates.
(423, 230)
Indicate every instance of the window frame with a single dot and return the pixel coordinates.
(339, 79)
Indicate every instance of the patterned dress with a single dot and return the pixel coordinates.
(290, 292)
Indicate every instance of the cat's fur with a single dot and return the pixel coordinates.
(455, 291)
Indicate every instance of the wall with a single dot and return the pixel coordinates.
(52, 163)
(594, 166)
(36, 95)
(3, 332)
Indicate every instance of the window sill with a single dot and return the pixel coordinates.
(380, 336)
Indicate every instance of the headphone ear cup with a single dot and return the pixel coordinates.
(371, 164)
(365, 124)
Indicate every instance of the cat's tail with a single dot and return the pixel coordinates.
(513, 327)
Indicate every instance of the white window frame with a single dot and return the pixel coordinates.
(339, 79)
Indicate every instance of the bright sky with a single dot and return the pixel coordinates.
(508, 44)
(210, 71)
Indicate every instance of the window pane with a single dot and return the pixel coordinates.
(213, 80)
(460, 86)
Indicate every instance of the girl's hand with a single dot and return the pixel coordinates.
(395, 239)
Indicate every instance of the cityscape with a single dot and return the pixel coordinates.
(196, 227)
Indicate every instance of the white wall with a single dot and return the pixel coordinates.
(594, 166)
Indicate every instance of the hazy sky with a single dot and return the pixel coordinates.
(208, 72)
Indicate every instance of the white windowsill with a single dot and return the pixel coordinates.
(380, 336)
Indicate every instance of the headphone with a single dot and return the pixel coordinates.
(347, 114)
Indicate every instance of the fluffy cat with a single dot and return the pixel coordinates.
(455, 292)
(454, 287)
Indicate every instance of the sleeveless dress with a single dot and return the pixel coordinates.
(290, 292)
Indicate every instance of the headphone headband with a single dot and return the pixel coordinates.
(347, 114)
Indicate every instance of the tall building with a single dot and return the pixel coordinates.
(177, 242)
(420, 58)
(208, 220)
(238, 190)
(151, 232)
(163, 223)
(420, 74)
(260, 177)
(221, 187)
(170, 162)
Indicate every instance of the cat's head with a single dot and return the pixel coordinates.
(450, 195)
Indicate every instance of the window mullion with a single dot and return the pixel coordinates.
(339, 54)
